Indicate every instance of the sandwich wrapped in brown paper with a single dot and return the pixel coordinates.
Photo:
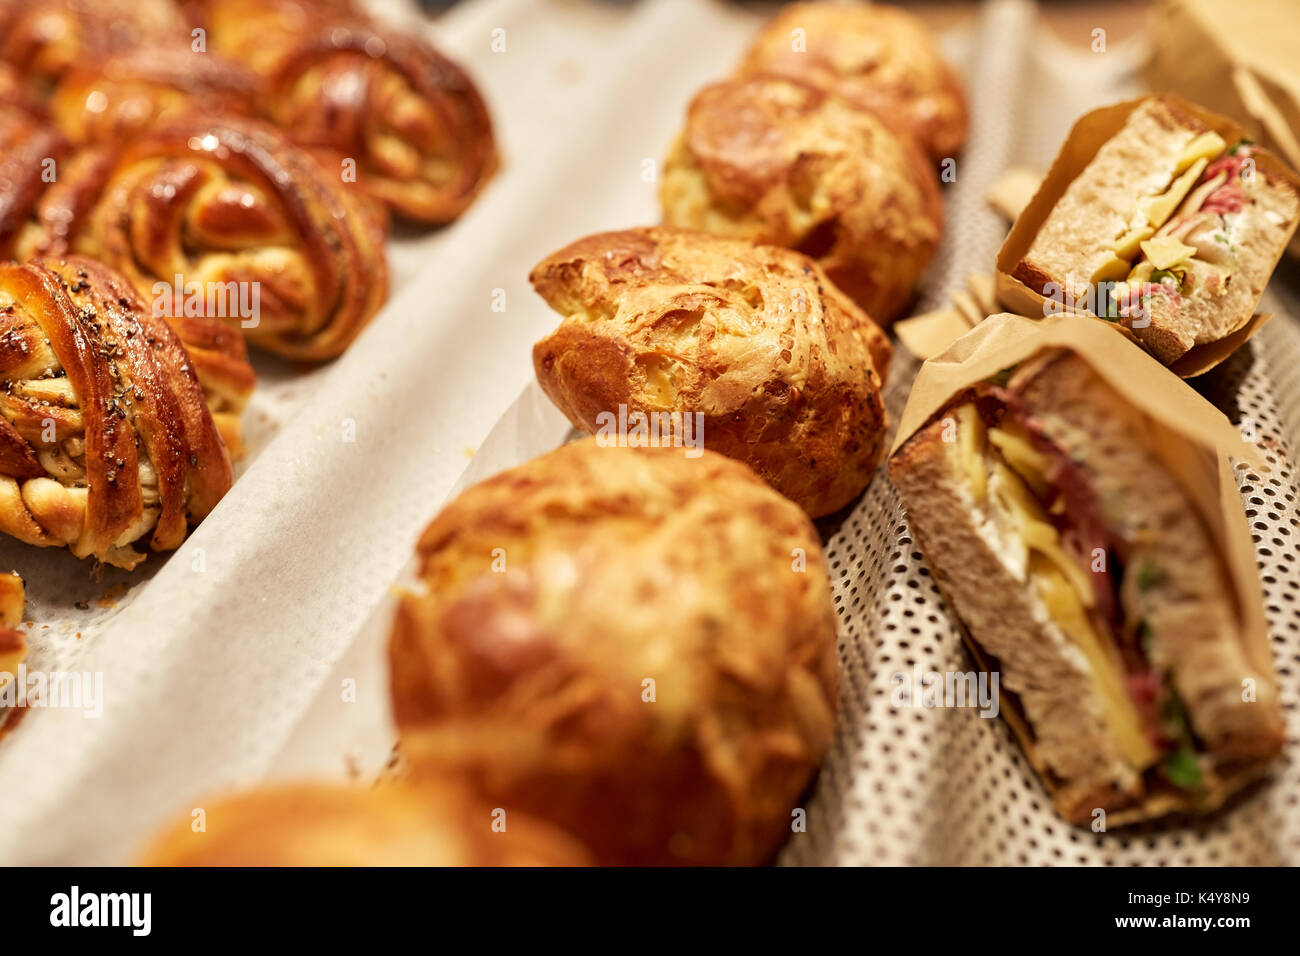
(1086, 137)
(1193, 440)
(1244, 65)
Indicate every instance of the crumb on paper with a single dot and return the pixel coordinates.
(110, 597)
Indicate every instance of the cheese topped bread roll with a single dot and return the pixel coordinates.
(751, 346)
(634, 645)
(779, 161)
(335, 825)
(876, 57)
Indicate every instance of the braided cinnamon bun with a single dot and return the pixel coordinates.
(411, 119)
(30, 154)
(106, 439)
(226, 218)
(14, 93)
(112, 100)
(13, 642)
(43, 39)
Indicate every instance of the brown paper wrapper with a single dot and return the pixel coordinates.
(928, 334)
(1194, 440)
(1243, 64)
(1086, 137)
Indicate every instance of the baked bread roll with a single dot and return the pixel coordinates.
(1169, 229)
(106, 441)
(335, 825)
(635, 645)
(1087, 575)
(43, 39)
(231, 205)
(778, 161)
(876, 57)
(410, 118)
(13, 642)
(760, 357)
(112, 100)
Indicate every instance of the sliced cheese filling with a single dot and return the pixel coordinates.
(1175, 244)
(1004, 471)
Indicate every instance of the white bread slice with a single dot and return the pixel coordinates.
(1187, 603)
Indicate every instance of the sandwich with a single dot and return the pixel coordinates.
(1171, 226)
(1090, 575)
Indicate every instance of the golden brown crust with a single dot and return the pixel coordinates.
(778, 161)
(879, 58)
(43, 39)
(105, 436)
(411, 119)
(111, 100)
(784, 368)
(389, 825)
(230, 200)
(637, 646)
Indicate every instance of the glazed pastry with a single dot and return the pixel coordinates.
(43, 39)
(110, 101)
(777, 366)
(411, 119)
(106, 443)
(780, 162)
(13, 642)
(15, 93)
(632, 644)
(52, 212)
(335, 825)
(278, 246)
(220, 362)
(878, 58)
(31, 156)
